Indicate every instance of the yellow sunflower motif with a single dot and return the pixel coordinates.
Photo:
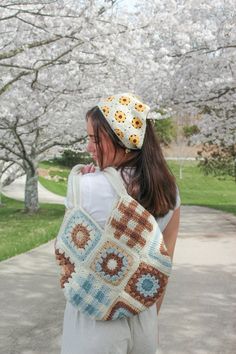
(105, 110)
(120, 116)
(140, 107)
(134, 139)
(137, 123)
(124, 100)
(110, 98)
(119, 133)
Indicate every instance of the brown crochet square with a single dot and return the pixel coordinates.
(131, 213)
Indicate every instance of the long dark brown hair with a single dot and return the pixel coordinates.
(152, 184)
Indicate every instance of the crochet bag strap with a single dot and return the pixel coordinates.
(116, 180)
(75, 180)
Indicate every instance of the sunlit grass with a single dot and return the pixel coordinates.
(54, 187)
(195, 188)
(20, 232)
(198, 189)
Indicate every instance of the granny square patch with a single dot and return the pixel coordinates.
(121, 309)
(130, 224)
(85, 292)
(112, 263)
(158, 253)
(147, 284)
(80, 235)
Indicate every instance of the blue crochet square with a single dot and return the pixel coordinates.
(92, 297)
(90, 310)
(100, 296)
(122, 313)
(87, 286)
(77, 299)
(81, 235)
(154, 250)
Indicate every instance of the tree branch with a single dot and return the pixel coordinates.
(32, 24)
(224, 92)
(59, 143)
(8, 84)
(21, 49)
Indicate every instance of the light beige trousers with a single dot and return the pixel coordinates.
(136, 335)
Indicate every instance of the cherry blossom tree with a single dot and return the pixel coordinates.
(59, 57)
(55, 58)
(193, 44)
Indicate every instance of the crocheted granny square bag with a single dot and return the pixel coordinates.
(117, 271)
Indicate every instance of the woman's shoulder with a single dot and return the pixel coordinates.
(94, 188)
(97, 195)
(95, 180)
(98, 177)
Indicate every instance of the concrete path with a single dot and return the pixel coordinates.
(16, 191)
(198, 313)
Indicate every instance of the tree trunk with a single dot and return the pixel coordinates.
(31, 192)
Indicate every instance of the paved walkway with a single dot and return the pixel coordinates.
(198, 313)
(16, 191)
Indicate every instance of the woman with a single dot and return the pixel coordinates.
(121, 136)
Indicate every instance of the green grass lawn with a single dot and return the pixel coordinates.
(209, 191)
(52, 164)
(20, 232)
(195, 188)
(55, 187)
(61, 172)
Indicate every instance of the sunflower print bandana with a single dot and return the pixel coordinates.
(126, 115)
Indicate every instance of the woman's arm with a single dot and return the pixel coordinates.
(170, 235)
